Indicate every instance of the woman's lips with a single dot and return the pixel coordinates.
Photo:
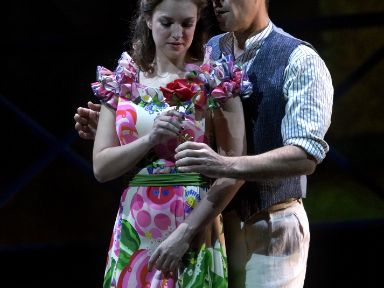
(175, 43)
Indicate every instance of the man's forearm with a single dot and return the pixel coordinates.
(217, 198)
(282, 162)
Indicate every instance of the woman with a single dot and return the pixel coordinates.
(137, 134)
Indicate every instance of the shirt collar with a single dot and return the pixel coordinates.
(257, 39)
(254, 41)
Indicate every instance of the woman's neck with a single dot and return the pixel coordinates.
(165, 67)
(164, 71)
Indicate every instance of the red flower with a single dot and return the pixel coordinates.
(180, 90)
(201, 100)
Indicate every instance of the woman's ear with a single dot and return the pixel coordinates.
(149, 23)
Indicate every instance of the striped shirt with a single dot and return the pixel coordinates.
(307, 89)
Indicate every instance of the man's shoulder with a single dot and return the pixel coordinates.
(215, 39)
(288, 39)
(218, 44)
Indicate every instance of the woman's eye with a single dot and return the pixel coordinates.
(166, 24)
(187, 24)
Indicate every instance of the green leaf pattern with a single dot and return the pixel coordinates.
(129, 243)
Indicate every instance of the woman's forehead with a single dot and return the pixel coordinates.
(176, 9)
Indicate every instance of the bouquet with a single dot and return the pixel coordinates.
(208, 85)
(186, 92)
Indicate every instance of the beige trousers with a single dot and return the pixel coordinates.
(270, 252)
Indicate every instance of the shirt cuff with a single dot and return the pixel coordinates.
(317, 148)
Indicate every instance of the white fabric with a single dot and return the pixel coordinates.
(270, 253)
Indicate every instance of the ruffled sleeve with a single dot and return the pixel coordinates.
(123, 82)
(222, 79)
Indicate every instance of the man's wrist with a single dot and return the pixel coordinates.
(231, 169)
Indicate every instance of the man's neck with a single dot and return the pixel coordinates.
(239, 45)
(255, 28)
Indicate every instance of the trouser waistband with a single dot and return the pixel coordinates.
(264, 214)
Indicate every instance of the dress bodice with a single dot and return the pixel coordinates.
(137, 106)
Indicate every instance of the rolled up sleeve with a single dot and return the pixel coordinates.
(309, 94)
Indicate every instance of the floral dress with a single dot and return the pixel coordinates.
(148, 214)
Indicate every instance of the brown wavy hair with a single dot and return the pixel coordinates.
(142, 48)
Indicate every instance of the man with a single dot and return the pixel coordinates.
(266, 226)
(287, 116)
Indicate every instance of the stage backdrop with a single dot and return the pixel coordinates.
(56, 220)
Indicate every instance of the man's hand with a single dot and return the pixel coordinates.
(86, 120)
(167, 257)
(200, 158)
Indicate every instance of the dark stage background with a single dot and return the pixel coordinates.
(56, 220)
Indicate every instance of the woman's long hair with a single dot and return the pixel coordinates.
(142, 46)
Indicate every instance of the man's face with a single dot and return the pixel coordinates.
(238, 15)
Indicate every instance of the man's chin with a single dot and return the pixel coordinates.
(224, 27)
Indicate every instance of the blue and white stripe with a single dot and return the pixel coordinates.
(308, 91)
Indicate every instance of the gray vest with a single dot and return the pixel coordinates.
(264, 111)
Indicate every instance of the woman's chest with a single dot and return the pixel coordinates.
(136, 120)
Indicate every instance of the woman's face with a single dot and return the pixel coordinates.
(173, 24)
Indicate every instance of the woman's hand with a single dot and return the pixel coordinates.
(167, 256)
(167, 124)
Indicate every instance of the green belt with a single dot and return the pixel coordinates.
(173, 179)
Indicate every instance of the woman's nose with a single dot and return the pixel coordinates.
(177, 32)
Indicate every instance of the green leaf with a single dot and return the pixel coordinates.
(129, 243)
(108, 275)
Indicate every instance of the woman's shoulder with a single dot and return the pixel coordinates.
(121, 82)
